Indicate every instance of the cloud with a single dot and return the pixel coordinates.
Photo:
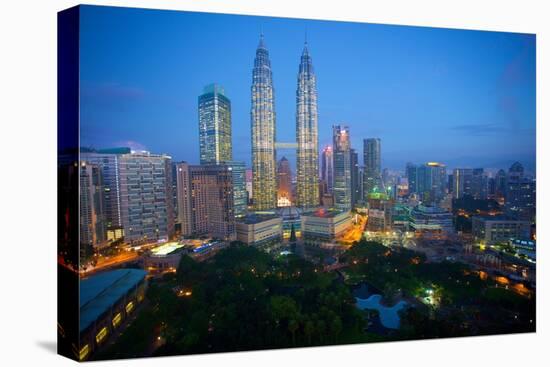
(133, 145)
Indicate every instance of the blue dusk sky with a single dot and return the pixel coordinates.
(464, 98)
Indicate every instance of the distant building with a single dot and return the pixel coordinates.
(327, 168)
(494, 229)
(206, 201)
(431, 221)
(165, 257)
(146, 202)
(214, 125)
(479, 186)
(520, 200)
(354, 165)
(462, 182)
(372, 155)
(260, 230)
(91, 205)
(249, 184)
(325, 225)
(342, 167)
(284, 183)
(379, 212)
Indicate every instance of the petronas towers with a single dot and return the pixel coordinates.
(263, 133)
(307, 157)
(264, 181)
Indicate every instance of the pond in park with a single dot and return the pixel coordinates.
(368, 299)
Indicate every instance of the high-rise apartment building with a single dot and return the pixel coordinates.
(146, 201)
(92, 220)
(206, 200)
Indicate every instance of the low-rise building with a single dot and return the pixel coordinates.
(106, 301)
(165, 257)
(262, 230)
(324, 225)
(499, 228)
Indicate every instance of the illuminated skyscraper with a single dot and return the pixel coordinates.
(373, 163)
(263, 131)
(327, 168)
(307, 154)
(214, 125)
(284, 183)
(354, 166)
(342, 167)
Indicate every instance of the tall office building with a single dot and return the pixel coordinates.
(249, 183)
(146, 201)
(342, 167)
(462, 182)
(373, 165)
(214, 125)
(428, 181)
(205, 200)
(263, 131)
(92, 219)
(412, 179)
(327, 168)
(500, 184)
(354, 166)
(307, 154)
(284, 183)
(240, 196)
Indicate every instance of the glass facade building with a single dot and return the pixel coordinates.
(342, 167)
(373, 165)
(214, 125)
(307, 137)
(262, 117)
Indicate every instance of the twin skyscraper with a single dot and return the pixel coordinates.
(263, 131)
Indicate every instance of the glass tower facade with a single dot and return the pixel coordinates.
(342, 167)
(327, 168)
(307, 154)
(214, 125)
(262, 117)
(373, 163)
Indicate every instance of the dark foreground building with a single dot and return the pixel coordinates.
(106, 300)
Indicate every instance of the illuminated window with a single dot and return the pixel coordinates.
(117, 319)
(84, 351)
(129, 307)
(101, 335)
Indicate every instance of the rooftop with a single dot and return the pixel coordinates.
(323, 213)
(100, 292)
(166, 249)
(257, 218)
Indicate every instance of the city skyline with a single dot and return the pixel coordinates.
(113, 100)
